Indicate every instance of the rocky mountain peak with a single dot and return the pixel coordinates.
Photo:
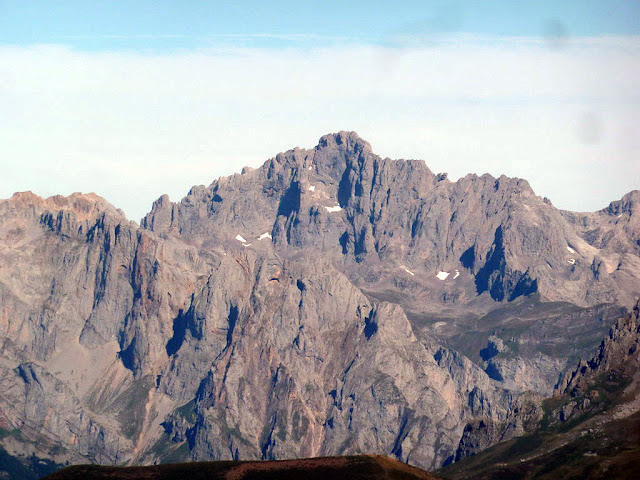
(76, 215)
(629, 204)
(389, 216)
(85, 206)
(349, 141)
(25, 198)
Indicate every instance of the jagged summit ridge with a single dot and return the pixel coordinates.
(83, 205)
(342, 199)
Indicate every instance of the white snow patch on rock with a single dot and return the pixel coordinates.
(409, 272)
(572, 261)
(571, 250)
(456, 275)
(310, 168)
(264, 235)
(240, 239)
(247, 244)
(337, 208)
(312, 188)
(442, 275)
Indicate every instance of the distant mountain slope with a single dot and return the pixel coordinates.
(616, 227)
(369, 467)
(591, 428)
(330, 302)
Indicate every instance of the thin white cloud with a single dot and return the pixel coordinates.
(107, 36)
(132, 126)
(294, 37)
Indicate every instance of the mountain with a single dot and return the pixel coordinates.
(330, 302)
(365, 467)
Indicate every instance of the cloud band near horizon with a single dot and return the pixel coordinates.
(134, 125)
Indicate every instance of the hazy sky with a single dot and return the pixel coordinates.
(135, 99)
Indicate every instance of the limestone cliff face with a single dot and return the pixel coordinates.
(265, 316)
(303, 364)
(83, 305)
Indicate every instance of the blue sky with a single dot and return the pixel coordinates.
(161, 25)
(135, 99)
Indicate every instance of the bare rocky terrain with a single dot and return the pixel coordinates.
(330, 302)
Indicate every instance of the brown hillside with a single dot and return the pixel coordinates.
(366, 467)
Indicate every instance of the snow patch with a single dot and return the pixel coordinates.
(246, 244)
(240, 239)
(571, 250)
(337, 208)
(312, 188)
(409, 272)
(264, 235)
(456, 275)
(442, 275)
(572, 261)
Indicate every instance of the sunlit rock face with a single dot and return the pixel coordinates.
(329, 302)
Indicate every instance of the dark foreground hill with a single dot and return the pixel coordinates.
(364, 467)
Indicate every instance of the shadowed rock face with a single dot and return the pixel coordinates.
(303, 308)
